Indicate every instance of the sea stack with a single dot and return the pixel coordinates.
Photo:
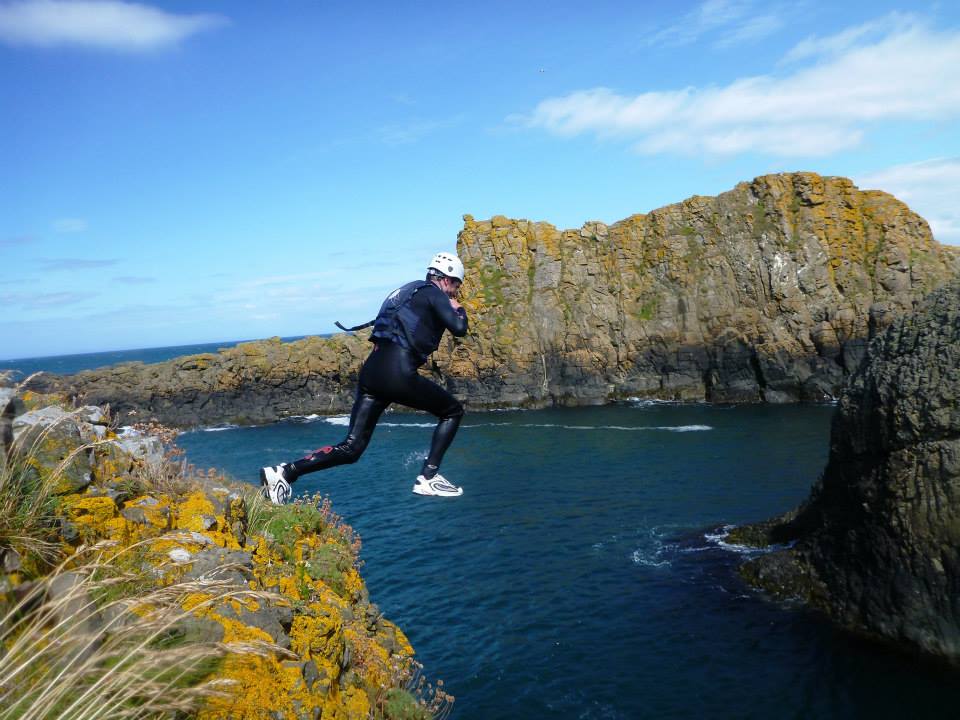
(878, 543)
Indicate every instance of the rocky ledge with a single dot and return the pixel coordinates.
(111, 543)
(767, 292)
(877, 546)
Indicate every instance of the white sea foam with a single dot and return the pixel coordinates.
(653, 552)
(220, 428)
(653, 402)
(719, 538)
(627, 428)
(648, 557)
(338, 420)
(414, 458)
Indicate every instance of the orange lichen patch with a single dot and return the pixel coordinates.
(262, 687)
(402, 641)
(190, 511)
(368, 657)
(156, 510)
(91, 512)
(354, 583)
(351, 704)
(319, 635)
(201, 605)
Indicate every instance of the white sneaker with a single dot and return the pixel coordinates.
(275, 486)
(438, 485)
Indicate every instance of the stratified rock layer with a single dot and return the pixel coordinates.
(768, 292)
(878, 544)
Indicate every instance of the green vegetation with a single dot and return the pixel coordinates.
(399, 704)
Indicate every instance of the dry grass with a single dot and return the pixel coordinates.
(71, 658)
(27, 500)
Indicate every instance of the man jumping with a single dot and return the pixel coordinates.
(407, 329)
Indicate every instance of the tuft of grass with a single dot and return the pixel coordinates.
(28, 499)
(309, 514)
(70, 657)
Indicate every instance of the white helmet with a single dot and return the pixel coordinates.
(448, 264)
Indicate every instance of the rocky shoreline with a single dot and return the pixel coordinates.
(766, 293)
(877, 545)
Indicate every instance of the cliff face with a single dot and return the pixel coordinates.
(768, 292)
(878, 544)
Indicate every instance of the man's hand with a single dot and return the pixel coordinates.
(454, 304)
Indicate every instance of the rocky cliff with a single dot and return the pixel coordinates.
(209, 601)
(877, 547)
(767, 292)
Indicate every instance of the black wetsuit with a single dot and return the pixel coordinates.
(390, 375)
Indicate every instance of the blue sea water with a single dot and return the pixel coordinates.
(583, 574)
(67, 364)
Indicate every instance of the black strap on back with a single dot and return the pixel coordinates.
(357, 327)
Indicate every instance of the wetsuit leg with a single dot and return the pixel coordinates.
(363, 419)
(431, 397)
(391, 372)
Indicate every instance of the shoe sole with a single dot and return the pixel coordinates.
(265, 490)
(420, 490)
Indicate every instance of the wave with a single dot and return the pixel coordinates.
(652, 402)
(220, 428)
(344, 420)
(669, 428)
(653, 551)
(718, 538)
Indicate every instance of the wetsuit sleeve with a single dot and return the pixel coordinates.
(454, 320)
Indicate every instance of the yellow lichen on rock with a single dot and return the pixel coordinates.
(293, 596)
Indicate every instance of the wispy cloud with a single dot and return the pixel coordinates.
(133, 280)
(841, 42)
(728, 22)
(103, 24)
(74, 263)
(17, 241)
(69, 225)
(40, 301)
(907, 74)
(413, 131)
(930, 188)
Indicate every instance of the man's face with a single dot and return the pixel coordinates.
(451, 286)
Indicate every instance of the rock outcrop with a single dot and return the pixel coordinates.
(274, 590)
(768, 292)
(877, 547)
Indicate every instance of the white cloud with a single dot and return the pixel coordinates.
(107, 24)
(413, 131)
(737, 20)
(843, 41)
(930, 188)
(908, 74)
(70, 225)
(40, 301)
(17, 240)
(49, 264)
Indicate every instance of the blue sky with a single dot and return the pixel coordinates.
(185, 172)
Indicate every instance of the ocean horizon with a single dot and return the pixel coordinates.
(69, 363)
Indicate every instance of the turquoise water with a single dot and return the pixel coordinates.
(582, 573)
